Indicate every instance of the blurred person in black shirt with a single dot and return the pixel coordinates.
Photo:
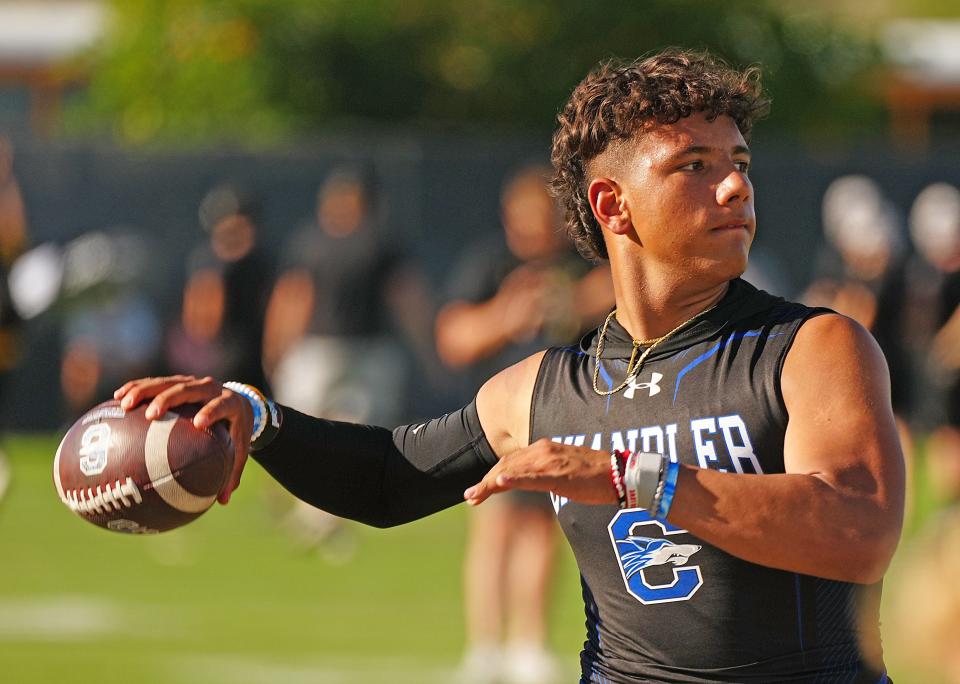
(220, 329)
(345, 302)
(509, 295)
(861, 275)
(345, 291)
(935, 229)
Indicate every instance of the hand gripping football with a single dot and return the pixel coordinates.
(125, 473)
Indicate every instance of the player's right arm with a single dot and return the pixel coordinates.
(363, 472)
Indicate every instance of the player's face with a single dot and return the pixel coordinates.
(690, 198)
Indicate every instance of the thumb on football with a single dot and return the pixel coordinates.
(236, 411)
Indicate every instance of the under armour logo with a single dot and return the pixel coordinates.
(653, 385)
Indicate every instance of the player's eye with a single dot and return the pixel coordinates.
(692, 166)
(743, 166)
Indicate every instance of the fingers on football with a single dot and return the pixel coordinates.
(187, 391)
(225, 406)
(136, 391)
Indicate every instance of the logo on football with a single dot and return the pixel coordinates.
(125, 473)
(93, 450)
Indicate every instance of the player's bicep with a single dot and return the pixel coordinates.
(836, 388)
(503, 404)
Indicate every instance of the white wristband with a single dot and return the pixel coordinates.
(641, 476)
(257, 403)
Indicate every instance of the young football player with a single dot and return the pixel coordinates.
(724, 463)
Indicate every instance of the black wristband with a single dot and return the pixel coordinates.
(271, 429)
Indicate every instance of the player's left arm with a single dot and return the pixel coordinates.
(836, 512)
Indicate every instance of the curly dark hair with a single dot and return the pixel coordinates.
(619, 98)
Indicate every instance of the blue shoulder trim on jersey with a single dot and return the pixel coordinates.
(607, 379)
(693, 364)
(719, 346)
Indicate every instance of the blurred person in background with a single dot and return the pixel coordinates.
(220, 328)
(510, 295)
(13, 242)
(861, 274)
(924, 615)
(935, 230)
(345, 297)
(110, 324)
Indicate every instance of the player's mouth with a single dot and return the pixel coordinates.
(732, 226)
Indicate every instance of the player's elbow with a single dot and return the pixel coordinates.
(871, 552)
(386, 516)
(870, 567)
(379, 516)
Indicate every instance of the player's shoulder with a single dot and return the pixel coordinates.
(515, 379)
(503, 403)
(829, 332)
(832, 348)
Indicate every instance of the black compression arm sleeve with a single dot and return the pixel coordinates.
(380, 478)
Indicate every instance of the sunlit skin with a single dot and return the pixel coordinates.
(675, 206)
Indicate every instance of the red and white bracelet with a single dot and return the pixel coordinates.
(617, 461)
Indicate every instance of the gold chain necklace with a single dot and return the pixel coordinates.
(650, 346)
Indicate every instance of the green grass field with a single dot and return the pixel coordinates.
(230, 598)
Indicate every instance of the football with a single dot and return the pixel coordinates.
(125, 473)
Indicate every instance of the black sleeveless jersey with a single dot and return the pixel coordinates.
(662, 605)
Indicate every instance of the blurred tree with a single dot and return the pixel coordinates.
(871, 16)
(182, 71)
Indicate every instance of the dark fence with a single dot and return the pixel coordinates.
(438, 192)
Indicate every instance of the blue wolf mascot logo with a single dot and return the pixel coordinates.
(636, 552)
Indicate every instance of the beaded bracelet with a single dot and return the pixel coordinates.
(267, 417)
(657, 495)
(669, 488)
(617, 461)
(257, 403)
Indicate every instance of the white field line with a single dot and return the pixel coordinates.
(57, 618)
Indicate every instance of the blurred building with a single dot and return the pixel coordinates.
(922, 89)
(37, 42)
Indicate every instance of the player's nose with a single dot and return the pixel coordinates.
(736, 186)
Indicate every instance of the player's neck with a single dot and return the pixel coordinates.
(648, 309)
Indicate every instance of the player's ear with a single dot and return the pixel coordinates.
(609, 205)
